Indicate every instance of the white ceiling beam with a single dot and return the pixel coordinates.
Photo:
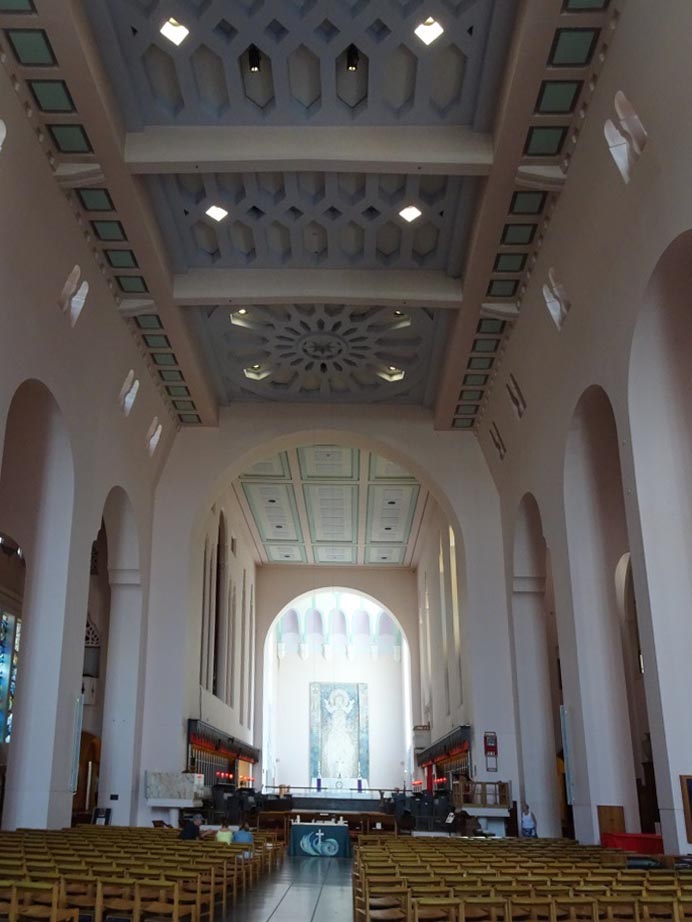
(398, 287)
(449, 150)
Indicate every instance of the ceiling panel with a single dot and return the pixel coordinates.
(273, 506)
(322, 352)
(301, 71)
(390, 513)
(311, 219)
(329, 462)
(315, 516)
(332, 512)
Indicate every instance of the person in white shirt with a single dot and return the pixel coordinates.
(529, 829)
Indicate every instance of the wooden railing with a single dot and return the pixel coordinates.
(481, 794)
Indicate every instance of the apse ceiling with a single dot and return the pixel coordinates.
(326, 504)
(313, 200)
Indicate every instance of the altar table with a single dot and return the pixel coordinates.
(319, 840)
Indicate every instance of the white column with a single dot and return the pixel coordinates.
(535, 704)
(120, 753)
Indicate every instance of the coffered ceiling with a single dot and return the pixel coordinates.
(326, 504)
(312, 201)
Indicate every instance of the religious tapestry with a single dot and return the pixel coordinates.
(339, 731)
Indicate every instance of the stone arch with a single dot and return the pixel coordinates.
(660, 414)
(534, 692)
(37, 487)
(123, 687)
(269, 644)
(597, 537)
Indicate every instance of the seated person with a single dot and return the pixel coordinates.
(246, 837)
(190, 829)
(224, 834)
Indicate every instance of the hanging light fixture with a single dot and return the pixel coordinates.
(352, 58)
(254, 56)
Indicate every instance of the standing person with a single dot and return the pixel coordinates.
(529, 828)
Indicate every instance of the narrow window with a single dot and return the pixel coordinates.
(3, 133)
(555, 298)
(154, 435)
(128, 392)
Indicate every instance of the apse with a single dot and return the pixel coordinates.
(337, 704)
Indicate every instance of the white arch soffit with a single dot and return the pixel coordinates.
(122, 533)
(302, 438)
(296, 600)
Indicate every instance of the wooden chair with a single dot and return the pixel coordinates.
(435, 909)
(40, 901)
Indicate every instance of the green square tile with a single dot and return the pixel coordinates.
(475, 380)
(189, 418)
(471, 395)
(573, 47)
(17, 6)
(490, 325)
(121, 259)
(466, 409)
(109, 230)
(95, 199)
(485, 345)
(171, 375)
(581, 6)
(177, 390)
(518, 234)
(502, 288)
(510, 262)
(51, 95)
(478, 363)
(31, 47)
(558, 97)
(164, 358)
(156, 341)
(148, 322)
(528, 202)
(70, 139)
(184, 405)
(132, 284)
(545, 141)
(463, 424)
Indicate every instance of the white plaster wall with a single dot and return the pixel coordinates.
(83, 367)
(604, 239)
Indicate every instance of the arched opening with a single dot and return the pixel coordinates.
(12, 574)
(119, 688)
(36, 498)
(93, 680)
(337, 700)
(537, 670)
(661, 425)
(597, 538)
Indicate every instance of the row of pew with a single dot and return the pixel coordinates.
(130, 873)
(411, 879)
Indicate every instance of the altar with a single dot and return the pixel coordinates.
(319, 840)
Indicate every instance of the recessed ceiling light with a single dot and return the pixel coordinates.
(255, 367)
(398, 313)
(254, 59)
(429, 30)
(216, 212)
(243, 311)
(174, 31)
(410, 213)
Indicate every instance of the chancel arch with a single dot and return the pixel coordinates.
(337, 707)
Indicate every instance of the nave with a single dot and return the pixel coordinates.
(301, 890)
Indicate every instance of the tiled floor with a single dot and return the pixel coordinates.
(302, 890)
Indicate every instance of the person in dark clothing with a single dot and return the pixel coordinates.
(191, 828)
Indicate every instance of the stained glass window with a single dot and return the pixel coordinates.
(10, 637)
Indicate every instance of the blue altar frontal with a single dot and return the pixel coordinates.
(319, 840)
